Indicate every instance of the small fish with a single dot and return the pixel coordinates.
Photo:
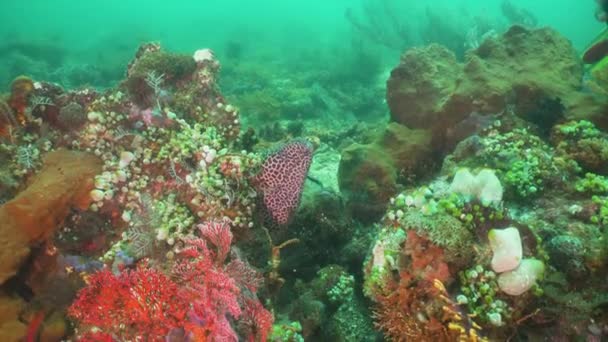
(596, 52)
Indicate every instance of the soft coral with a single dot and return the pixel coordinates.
(140, 303)
(206, 292)
(218, 289)
(409, 307)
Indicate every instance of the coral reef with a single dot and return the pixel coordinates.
(123, 180)
(478, 212)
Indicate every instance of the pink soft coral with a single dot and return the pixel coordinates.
(213, 288)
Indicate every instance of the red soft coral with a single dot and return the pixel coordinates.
(136, 304)
(256, 321)
(218, 290)
(409, 307)
(208, 292)
(427, 258)
(96, 337)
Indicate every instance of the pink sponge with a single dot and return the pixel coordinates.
(282, 177)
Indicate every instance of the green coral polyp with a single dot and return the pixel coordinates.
(343, 290)
(592, 184)
(479, 294)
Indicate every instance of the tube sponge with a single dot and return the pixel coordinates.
(488, 187)
(522, 278)
(485, 186)
(464, 183)
(507, 249)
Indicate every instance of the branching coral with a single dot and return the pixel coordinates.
(202, 297)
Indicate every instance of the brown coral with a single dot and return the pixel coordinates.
(21, 89)
(536, 71)
(369, 174)
(64, 182)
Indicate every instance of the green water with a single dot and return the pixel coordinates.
(104, 34)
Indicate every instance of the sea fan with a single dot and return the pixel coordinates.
(219, 293)
(7, 117)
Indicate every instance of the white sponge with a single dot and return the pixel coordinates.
(506, 246)
(485, 186)
(522, 278)
(488, 187)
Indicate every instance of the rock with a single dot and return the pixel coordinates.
(419, 86)
(33, 215)
(310, 312)
(524, 66)
(54, 328)
(536, 71)
(368, 174)
(324, 168)
(322, 202)
(352, 322)
(568, 255)
(321, 224)
(71, 117)
(583, 142)
(507, 249)
(368, 179)
(409, 149)
(151, 62)
(11, 328)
